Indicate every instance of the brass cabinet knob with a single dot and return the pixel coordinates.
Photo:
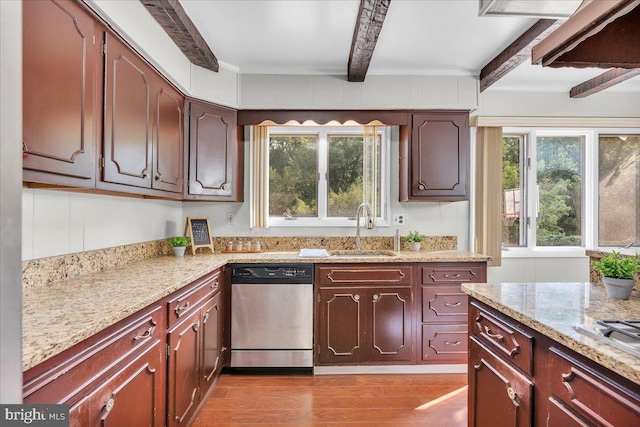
(511, 393)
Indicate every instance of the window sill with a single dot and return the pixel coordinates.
(555, 252)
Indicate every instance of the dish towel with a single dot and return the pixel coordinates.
(313, 253)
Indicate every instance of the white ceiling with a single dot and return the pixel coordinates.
(419, 37)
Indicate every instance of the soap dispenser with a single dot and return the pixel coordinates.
(396, 241)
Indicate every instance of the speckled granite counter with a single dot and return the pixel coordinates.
(58, 315)
(553, 309)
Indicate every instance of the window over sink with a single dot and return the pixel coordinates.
(318, 175)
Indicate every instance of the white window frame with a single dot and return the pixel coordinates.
(322, 220)
(589, 198)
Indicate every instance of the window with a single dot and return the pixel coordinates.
(618, 190)
(570, 188)
(319, 175)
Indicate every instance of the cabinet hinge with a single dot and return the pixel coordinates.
(318, 298)
(104, 49)
(168, 350)
(102, 162)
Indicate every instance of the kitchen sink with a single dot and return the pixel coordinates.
(362, 254)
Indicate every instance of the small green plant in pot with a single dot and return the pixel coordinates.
(618, 274)
(179, 244)
(414, 239)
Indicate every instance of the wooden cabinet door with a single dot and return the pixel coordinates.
(127, 147)
(183, 377)
(341, 325)
(389, 324)
(212, 338)
(440, 156)
(168, 137)
(498, 394)
(61, 107)
(215, 165)
(134, 396)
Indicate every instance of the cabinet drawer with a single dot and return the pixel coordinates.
(503, 338)
(444, 304)
(185, 301)
(364, 275)
(61, 378)
(453, 273)
(587, 395)
(445, 343)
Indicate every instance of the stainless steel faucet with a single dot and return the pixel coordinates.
(368, 222)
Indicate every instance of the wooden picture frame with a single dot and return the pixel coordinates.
(199, 232)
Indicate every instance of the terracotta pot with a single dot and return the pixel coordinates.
(618, 288)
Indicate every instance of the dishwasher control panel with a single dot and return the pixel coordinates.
(272, 273)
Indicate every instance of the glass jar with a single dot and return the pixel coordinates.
(238, 246)
(257, 247)
(247, 246)
(229, 246)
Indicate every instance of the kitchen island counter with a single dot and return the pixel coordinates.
(553, 309)
(58, 315)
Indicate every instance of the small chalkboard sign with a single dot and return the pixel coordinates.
(197, 228)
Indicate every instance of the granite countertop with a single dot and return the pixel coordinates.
(553, 309)
(58, 315)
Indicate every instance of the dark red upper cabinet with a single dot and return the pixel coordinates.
(168, 138)
(128, 117)
(61, 105)
(214, 154)
(143, 124)
(437, 158)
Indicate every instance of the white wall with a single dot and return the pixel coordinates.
(259, 91)
(61, 222)
(10, 181)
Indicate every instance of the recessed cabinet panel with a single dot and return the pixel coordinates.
(214, 153)
(127, 133)
(60, 106)
(341, 316)
(391, 317)
(439, 151)
(506, 397)
(212, 337)
(168, 139)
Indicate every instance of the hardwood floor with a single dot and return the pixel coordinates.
(337, 400)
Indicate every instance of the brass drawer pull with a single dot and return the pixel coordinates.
(511, 393)
(452, 343)
(456, 304)
(147, 334)
(492, 335)
(196, 326)
(215, 284)
(179, 309)
(453, 276)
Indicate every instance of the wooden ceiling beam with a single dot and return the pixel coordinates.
(603, 81)
(600, 34)
(516, 53)
(174, 20)
(365, 36)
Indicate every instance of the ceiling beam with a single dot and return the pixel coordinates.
(516, 53)
(174, 20)
(603, 81)
(365, 36)
(601, 34)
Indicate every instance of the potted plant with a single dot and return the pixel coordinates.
(415, 239)
(617, 274)
(179, 244)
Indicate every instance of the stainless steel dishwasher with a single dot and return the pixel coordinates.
(271, 315)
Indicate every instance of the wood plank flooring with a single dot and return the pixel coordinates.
(337, 400)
